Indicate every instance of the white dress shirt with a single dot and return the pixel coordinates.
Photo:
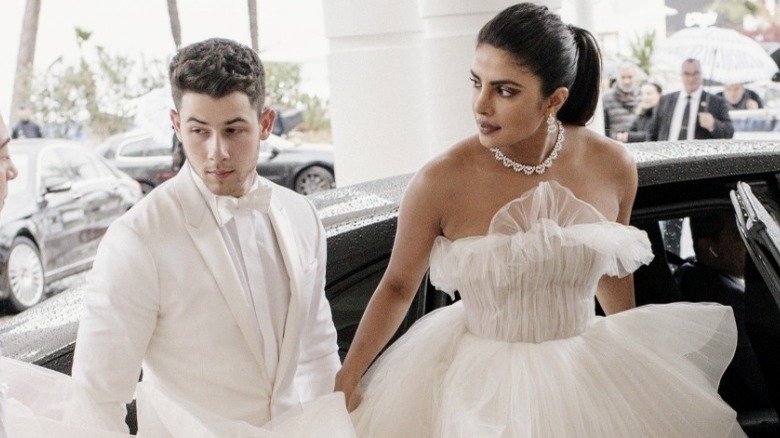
(677, 116)
(252, 244)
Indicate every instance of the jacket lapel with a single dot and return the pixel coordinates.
(288, 247)
(205, 234)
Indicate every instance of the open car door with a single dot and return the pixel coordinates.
(761, 234)
(760, 231)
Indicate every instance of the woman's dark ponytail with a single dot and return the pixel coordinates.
(585, 92)
(560, 55)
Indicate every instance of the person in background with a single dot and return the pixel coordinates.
(620, 101)
(25, 127)
(691, 113)
(717, 275)
(650, 94)
(740, 97)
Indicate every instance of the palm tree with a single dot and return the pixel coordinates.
(173, 14)
(253, 24)
(26, 56)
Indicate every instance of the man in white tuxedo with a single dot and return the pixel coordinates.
(214, 282)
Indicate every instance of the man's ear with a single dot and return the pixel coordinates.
(176, 120)
(267, 118)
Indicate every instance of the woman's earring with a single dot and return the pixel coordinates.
(712, 251)
(551, 124)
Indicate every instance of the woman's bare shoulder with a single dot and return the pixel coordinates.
(603, 153)
(445, 173)
(451, 162)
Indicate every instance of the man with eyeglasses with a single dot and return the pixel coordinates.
(691, 113)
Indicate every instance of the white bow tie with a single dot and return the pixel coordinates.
(258, 199)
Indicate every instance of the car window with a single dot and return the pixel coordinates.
(101, 169)
(155, 149)
(134, 148)
(144, 147)
(51, 166)
(677, 236)
(81, 165)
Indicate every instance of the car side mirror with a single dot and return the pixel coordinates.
(56, 184)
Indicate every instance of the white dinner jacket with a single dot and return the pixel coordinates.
(163, 291)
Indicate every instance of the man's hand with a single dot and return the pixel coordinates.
(707, 121)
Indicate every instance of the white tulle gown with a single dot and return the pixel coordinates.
(39, 403)
(523, 355)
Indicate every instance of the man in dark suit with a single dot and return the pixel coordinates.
(717, 275)
(691, 113)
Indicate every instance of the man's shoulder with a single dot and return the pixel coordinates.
(609, 95)
(287, 198)
(157, 210)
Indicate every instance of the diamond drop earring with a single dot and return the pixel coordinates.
(551, 126)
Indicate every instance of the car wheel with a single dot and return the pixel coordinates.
(24, 274)
(313, 179)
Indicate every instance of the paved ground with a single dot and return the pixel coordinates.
(51, 290)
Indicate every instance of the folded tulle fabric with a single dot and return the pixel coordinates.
(650, 372)
(160, 416)
(41, 403)
(534, 229)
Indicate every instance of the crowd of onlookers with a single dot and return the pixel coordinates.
(635, 112)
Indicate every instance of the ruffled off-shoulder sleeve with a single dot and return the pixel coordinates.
(546, 223)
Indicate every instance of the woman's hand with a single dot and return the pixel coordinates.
(351, 389)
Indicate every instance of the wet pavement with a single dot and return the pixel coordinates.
(51, 290)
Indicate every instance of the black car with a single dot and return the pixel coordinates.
(676, 180)
(56, 212)
(305, 168)
(138, 154)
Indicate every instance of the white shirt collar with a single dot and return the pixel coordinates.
(211, 198)
(696, 95)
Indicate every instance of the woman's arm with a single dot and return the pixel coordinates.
(418, 225)
(617, 294)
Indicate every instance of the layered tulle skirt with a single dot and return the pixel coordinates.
(652, 371)
(39, 403)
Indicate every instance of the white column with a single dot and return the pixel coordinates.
(398, 74)
(377, 103)
(451, 28)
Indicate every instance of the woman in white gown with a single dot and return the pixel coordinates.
(528, 246)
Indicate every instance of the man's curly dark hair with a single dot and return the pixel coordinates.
(217, 67)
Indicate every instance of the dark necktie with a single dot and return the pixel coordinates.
(686, 116)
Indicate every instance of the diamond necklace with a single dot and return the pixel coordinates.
(539, 168)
